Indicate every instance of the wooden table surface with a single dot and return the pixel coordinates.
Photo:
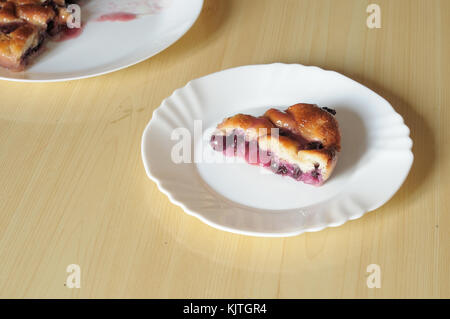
(73, 189)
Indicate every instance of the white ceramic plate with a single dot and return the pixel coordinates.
(375, 158)
(109, 46)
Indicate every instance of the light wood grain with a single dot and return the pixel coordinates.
(73, 188)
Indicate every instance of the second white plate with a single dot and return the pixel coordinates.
(375, 158)
(107, 46)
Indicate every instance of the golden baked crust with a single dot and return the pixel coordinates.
(36, 14)
(310, 122)
(16, 44)
(308, 136)
(8, 12)
(253, 126)
(22, 2)
(24, 25)
(8, 20)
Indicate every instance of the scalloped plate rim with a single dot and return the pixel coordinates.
(255, 233)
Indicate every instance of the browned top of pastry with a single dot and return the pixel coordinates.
(35, 14)
(308, 135)
(24, 25)
(21, 2)
(14, 44)
(245, 122)
(310, 122)
(8, 13)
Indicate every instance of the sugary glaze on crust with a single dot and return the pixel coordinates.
(8, 13)
(36, 14)
(309, 121)
(22, 2)
(15, 44)
(24, 25)
(310, 143)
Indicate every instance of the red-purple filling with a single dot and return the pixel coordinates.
(236, 145)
